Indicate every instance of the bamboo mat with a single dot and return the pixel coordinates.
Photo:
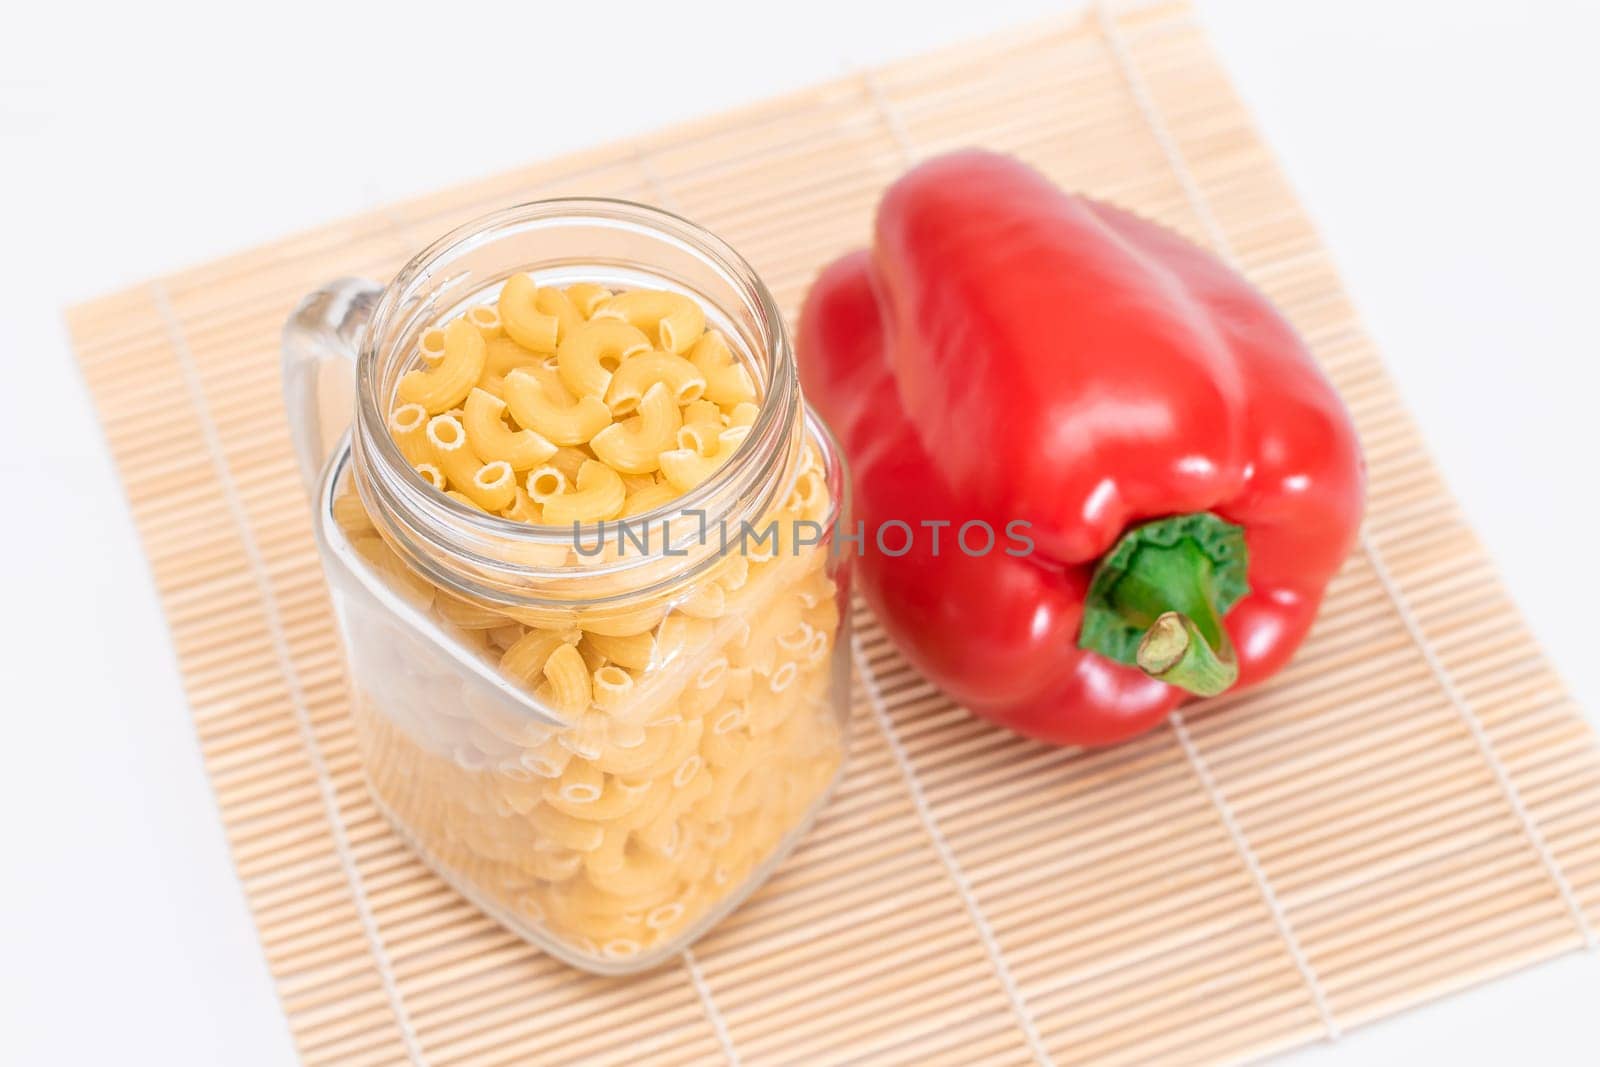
(1412, 807)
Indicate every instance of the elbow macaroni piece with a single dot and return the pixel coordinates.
(536, 403)
(487, 319)
(460, 465)
(702, 730)
(635, 446)
(728, 381)
(445, 384)
(524, 322)
(633, 379)
(568, 678)
(599, 494)
(685, 468)
(652, 496)
(588, 356)
(675, 319)
(408, 425)
(504, 356)
(492, 439)
(702, 422)
(552, 301)
(588, 297)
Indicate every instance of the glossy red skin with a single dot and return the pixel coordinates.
(1006, 351)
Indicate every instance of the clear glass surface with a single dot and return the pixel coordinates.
(615, 835)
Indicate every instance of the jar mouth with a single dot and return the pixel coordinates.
(559, 240)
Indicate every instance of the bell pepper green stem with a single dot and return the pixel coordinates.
(1174, 651)
(1158, 598)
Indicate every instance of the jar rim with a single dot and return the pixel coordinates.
(780, 408)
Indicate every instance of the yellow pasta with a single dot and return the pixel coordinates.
(406, 582)
(492, 439)
(717, 802)
(490, 486)
(642, 875)
(598, 495)
(685, 743)
(351, 515)
(615, 798)
(547, 760)
(525, 509)
(568, 678)
(587, 736)
(675, 319)
(612, 687)
(408, 425)
(664, 833)
(554, 415)
(738, 684)
(728, 382)
(681, 635)
(487, 319)
(465, 613)
(553, 301)
(524, 323)
(809, 497)
(591, 659)
(430, 473)
(649, 498)
(686, 468)
(565, 831)
(702, 422)
(506, 634)
(546, 483)
(636, 652)
(587, 357)
(450, 452)
(665, 916)
(515, 728)
(588, 297)
(626, 731)
(686, 733)
(504, 356)
(611, 913)
(708, 601)
(697, 701)
(552, 864)
(524, 661)
(579, 786)
(795, 642)
(622, 621)
(442, 386)
(734, 572)
(634, 483)
(638, 373)
(635, 446)
(569, 460)
(430, 346)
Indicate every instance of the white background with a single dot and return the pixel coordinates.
(1446, 149)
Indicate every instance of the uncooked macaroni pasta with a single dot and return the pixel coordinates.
(694, 734)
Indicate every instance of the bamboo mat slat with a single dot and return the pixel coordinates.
(1411, 807)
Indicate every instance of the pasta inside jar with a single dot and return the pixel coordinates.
(664, 721)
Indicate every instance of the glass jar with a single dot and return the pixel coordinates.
(610, 835)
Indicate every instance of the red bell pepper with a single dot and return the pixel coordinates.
(1177, 479)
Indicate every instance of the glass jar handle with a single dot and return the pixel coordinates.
(320, 342)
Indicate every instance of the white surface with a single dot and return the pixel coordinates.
(1446, 148)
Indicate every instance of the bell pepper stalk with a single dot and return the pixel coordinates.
(1186, 479)
(1158, 598)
